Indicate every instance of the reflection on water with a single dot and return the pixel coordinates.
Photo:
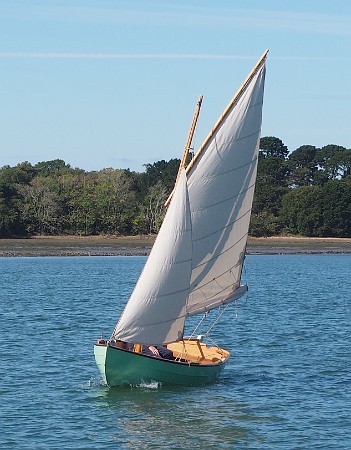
(155, 416)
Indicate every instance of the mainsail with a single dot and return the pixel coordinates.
(221, 185)
(196, 262)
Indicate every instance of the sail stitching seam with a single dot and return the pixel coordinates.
(222, 253)
(242, 138)
(235, 168)
(209, 282)
(221, 229)
(236, 195)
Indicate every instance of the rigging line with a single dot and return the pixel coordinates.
(197, 326)
(199, 288)
(219, 349)
(215, 345)
(216, 280)
(184, 352)
(217, 319)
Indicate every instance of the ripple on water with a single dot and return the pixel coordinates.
(287, 384)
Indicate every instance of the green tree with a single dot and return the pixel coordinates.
(339, 164)
(115, 202)
(302, 166)
(55, 166)
(162, 171)
(11, 223)
(272, 146)
(81, 211)
(301, 211)
(306, 193)
(40, 207)
(336, 208)
(270, 188)
(319, 211)
(154, 208)
(333, 161)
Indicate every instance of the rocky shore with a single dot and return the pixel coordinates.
(141, 246)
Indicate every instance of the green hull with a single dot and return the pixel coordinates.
(120, 367)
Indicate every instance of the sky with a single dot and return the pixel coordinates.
(114, 83)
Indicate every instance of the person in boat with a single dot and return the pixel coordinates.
(157, 351)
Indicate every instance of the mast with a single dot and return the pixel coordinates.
(228, 109)
(187, 144)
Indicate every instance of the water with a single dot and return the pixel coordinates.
(287, 385)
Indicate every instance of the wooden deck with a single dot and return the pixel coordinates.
(198, 352)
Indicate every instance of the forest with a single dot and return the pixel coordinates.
(305, 192)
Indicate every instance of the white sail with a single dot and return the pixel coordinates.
(156, 310)
(196, 262)
(221, 186)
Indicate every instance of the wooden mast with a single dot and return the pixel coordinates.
(188, 144)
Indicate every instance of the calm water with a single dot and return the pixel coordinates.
(287, 386)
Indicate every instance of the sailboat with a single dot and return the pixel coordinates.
(196, 262)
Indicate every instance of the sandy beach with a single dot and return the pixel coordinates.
(141, 245)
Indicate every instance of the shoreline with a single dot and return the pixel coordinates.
(141, 246)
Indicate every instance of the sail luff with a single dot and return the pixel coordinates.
(227, 110)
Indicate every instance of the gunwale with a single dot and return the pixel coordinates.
(182, 357)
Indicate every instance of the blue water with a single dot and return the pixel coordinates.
(287, 385)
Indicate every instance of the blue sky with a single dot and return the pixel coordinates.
(114, 83)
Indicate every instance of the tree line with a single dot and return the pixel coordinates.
(306, 192)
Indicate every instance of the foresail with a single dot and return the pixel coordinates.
(221, 186)
(156, 310)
